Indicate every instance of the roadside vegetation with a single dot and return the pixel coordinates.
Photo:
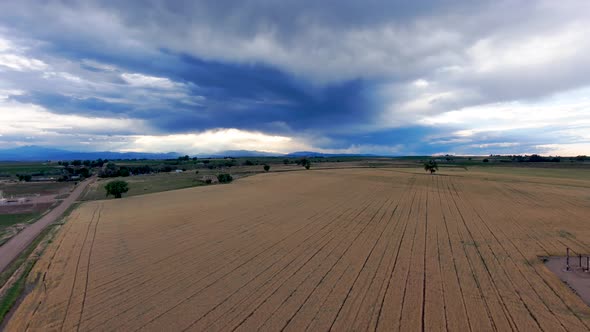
(8, 300)
(10, 224)
(13, 280)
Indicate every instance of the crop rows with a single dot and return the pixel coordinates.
(326, 250)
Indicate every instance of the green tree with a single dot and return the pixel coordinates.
(431, 166)
(116, 188)
(307, 164)
(224, 178)
(84, 172)
(266, 168)
(124, 171)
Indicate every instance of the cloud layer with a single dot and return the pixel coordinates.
(385, 77)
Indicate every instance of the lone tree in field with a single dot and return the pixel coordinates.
(431, 166)
(266, 168)
(307, 164)
(116, 188)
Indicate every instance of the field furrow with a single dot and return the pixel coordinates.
(341, 250)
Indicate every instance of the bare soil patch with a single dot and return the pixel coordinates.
(578, 277)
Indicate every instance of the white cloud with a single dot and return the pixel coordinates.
(140, 80)
(64, 75)
(421, 83)
(98, 65)
(537, 50)
(395, 149)
(5, 44)
(496, 145)
(216, 140)
(556, 125)
(223, 139)
(28, 120)
(7, 93)
(21, 63)
(85, 80)
(563, 110)
(13, 57)
(565, 149)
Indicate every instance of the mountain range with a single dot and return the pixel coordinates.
(41, 153)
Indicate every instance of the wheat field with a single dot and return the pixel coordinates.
(319, 250)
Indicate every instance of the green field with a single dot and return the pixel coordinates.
(11, 219)
(8, 220)
(146, 184)
(11, 169)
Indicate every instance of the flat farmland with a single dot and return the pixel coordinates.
(356, 249)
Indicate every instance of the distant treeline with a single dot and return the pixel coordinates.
(535, 158)
(88, 163)
(112, 170)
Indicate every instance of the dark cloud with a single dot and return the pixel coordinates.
(349, 73)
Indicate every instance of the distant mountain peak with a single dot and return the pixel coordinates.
(41, 153)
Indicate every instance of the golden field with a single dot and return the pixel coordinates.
(318, 250)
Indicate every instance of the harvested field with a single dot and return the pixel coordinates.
(359, 249)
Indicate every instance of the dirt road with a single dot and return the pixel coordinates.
(11, 249)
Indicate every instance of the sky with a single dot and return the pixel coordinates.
(384, 77)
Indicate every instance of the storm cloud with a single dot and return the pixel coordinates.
(384, 77)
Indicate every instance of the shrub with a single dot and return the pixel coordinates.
(25, 177)
(486, 160)
(224, 178)
(266, 168)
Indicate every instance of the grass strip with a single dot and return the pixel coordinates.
(14, 292)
